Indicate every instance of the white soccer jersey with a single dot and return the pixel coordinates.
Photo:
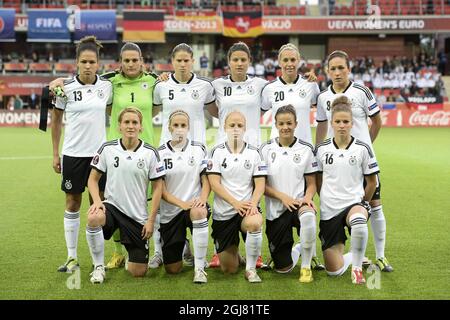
(244, 97)
(85, 116)
(190, 97)
(364, 105)
(183, 171)
(128, 174)
(237, 172)
(286, 168)
(301, 95)
(343, 174)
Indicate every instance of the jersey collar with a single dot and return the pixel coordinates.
(182, 150)
(284, 82)
(229, 77)
(82, 83)
(349, 85)
(172, 75)
(229, 150)
(351, 141)
(290, 146)
(135, 149)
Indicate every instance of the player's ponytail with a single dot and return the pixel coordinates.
(89, 43)
(341, 104)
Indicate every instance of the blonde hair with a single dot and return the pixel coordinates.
(236, 112)
(288, 46)
(178, 112)
(341, 104)
(130, 110)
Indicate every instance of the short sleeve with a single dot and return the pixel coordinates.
(210, 94)
(265, 99)
(321, 112)
(311, 163)
(157, 95)
(260, 167)
(315, 93)
(99, 160)
(369, 163)
(156, 168)
(370, 103)
(213, 164)
(318, 161)
(61, 103)
(110, 96)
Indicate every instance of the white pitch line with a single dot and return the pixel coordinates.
(26, 158)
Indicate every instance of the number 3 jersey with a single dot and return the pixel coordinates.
(128, 174)
(236, 171)
(84, 115)
(183, 174)
(286, 170)
(343, 174)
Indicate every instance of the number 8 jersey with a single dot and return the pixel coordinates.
(343, 174)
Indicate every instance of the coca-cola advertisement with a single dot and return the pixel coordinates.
(415, 118)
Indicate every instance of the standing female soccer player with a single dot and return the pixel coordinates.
(237, 173)
(364, 106)
(290, 163)
(130, 164)
(291, 88)
(184, 91)
(344, 163)
(185, 195)
(132, 86)
(84, 108)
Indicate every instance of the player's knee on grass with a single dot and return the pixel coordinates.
(333, 259)
(137, 270)
(174, 268)
(229, 260)
(198, 213)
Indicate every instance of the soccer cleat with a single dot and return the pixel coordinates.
(69, 266)
(252, 276)
(117, 261)
(268, 265)
(384, 265)
(366, 262)
(305, 275)
(215, 262)
(155, 261)
(259, 262)
(316, 264)
(200, 276)
(357, 276)
(98, 275)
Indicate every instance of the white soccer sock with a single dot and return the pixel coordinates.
(157, 236)
(96, 242)
(359, 235)
(71, 229)
(295, 253)
(347, 260)
(252, 248)
(200, 241)
(378, 223)
(307, 236)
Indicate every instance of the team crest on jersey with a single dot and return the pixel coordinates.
(95, 160)
(209, 165)
(144, 86)
(352, 160)
(247, 165)
(302, 93)
(141, 164)
(296, 158)
(100, 94)
(191, 161)
(68, 185)
(250, 90)
(195, 95)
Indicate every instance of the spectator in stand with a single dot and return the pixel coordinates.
(251, 71)
(11, 103)
(442, 64)
(18, 103)
(204, 72)
(32, 100)
(35, 57)
(259, 69)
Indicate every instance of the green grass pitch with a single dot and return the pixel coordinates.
(415, 173)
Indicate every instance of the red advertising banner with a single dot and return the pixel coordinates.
(20, 118)
(415, 118)
(23, 85)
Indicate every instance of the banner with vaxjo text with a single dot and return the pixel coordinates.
(48, 26)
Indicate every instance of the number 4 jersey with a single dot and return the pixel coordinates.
(84, 115)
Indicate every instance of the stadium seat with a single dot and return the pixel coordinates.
(64, 68)
(15, 67)
(40, 67)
